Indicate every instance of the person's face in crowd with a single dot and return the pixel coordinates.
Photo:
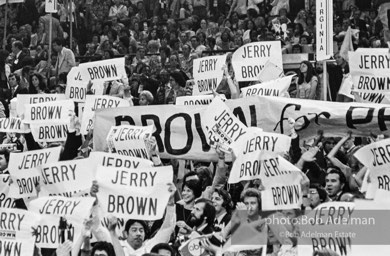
(238, 41)
(35, 81)
(251, 25)
(140, 5)
(217, 202)
(348, 144)
(136, 26)
(337, 28)
(106, 56)
(14, 49)
(314, 198)
(136, 235)
(333, 184)
(339, 60)
(14, 29)
(117, 2)
(304, 40)
(203, 24)
(183, 38)
(282, 13)
(3, 163)
(197, 214)
(173, 62)
(146, 71)
(164, 252)
(252, 206)
(225, 37)
(228, 24)
(100, 253)
(153, 34)
(164, 76)
(57, 47)
(12, 81)
(22, 31)
(143, 101)
(356, 14)
(194, 43)
(303, 68)
(141, 53)
(328, 146)
(187, 194)
(260, 22)
(272, 239)
(319, 67)
(313, 9)
(290, 214)
(346, 24)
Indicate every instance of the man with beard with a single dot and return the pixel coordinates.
(202, 218)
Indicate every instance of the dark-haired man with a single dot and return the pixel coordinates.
(137, 232)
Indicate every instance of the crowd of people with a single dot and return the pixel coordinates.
(160, 40)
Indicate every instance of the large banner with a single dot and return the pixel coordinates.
(94, 102)
(16, 232)
(134, 193)
(48, 111)
(278, 88)
(25, 99)
(250, 59)
(67, 178)
(324, 22)
(104, 70)
(179, 132)
(208, 74)
(130, 140)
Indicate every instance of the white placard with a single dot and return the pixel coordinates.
(249, 60)
(278, 88)
(104, 70)
(208, 74)
(67, 178)
(134, 193)
(130, 140)
(48, 111)
(49, 132)
(25, 99)
(94, 102)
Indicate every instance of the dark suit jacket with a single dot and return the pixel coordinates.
(19, 90)
(18, 62)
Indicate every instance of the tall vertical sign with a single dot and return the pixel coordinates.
(324, 21)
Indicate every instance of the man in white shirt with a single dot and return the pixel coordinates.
(137, 243)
